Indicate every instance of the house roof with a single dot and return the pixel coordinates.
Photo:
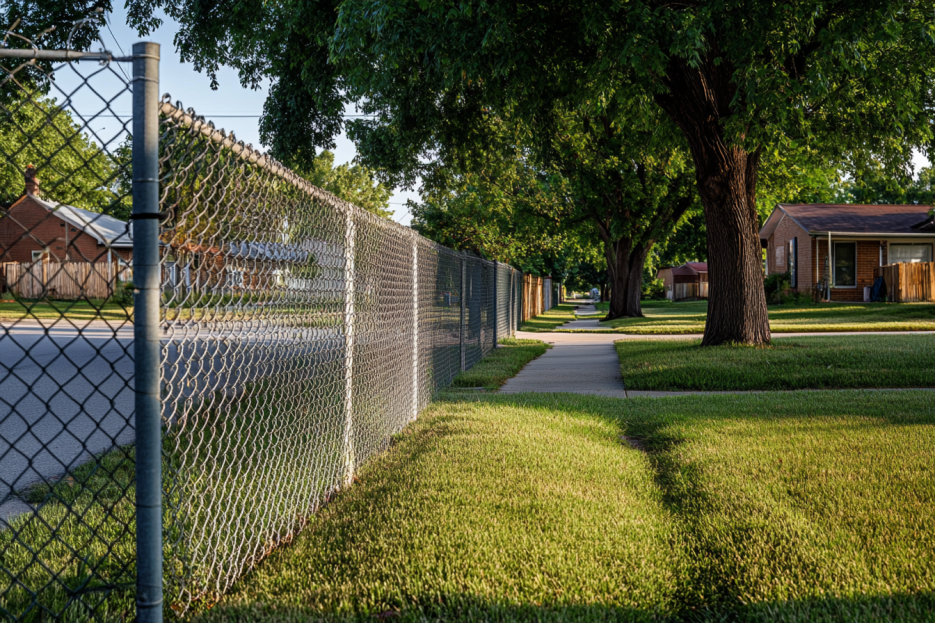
(850, 218)
(107, 230)
(686, 270)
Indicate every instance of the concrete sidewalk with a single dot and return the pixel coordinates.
(587, 363)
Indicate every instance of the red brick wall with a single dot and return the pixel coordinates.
(31, 227)
(868, 258)
(786, 231)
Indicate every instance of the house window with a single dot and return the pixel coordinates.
(234, 278)
(845, 264)
(793, 261)
(37, 255)
(910, 253)
(780, 256)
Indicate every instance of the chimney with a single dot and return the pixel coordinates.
(32, 182)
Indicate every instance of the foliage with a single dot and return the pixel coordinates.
(123, 295)
(71, 167)
(873, 184)
(654, 289)
(775, 285)
(746, 82)
(497, 208)
(353, 183)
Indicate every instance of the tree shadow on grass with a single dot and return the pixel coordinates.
(708, 593)
(715, 589)
(902, 608)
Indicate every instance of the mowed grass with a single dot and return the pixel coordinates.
(501, 363)
(689, 317)
(819, 362)
(799, 506)
(779, 507)
(71, 310)
(552, 319)
(482, 510)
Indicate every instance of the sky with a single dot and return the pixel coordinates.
(231, 106)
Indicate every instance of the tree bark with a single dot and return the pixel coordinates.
(699, 98)
(635, 283)
(625, 275)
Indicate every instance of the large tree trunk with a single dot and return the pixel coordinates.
(625, 276)
(635, 283)
(698, 101)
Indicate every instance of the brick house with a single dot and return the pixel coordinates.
(34, 229)
(673, 278)
(861, 238)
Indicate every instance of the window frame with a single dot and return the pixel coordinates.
(834, 264)
(890, 245)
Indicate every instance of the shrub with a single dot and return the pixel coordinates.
(123, 294)
(654, 289)
(776, 285)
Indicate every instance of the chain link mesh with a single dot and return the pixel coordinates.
(66, 396)
(298, 334)
(301, 334)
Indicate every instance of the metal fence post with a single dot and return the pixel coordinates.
(463, 296)
(415, 327)
(349, 454)
(496, 304)
(146, 346)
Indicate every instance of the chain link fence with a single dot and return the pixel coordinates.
(154, 450)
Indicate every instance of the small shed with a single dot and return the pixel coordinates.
(688, 281)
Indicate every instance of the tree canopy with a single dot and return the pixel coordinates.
(743, 80)
(72, 168)
(352, 182)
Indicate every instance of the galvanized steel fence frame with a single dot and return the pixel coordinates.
(352, 316)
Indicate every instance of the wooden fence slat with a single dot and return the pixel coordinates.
(910, 283)
(63, 281)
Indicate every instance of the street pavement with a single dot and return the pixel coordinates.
(66, 391)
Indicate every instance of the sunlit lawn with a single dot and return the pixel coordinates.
(764, 507)
(550, 320)
(689, 317)
(813, 362)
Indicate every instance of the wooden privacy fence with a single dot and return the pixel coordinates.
(63, 281)
(537, 296)
(686, 291)
(908, 283)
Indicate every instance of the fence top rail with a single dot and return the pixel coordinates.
(63, 55)
(189, 119)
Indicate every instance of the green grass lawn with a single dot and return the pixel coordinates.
(500, 364)
(819, 362)
(689, 317)
(789, 507)
(72, 310)
(550, 320)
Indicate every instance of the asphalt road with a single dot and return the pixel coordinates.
(66, 392)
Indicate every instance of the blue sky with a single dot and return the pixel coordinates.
(231, 107)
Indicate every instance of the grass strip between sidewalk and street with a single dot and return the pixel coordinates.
(68, 310)
(665, 317)
(762, 507)
(819, 362)
(500, 364)
(552, 319)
